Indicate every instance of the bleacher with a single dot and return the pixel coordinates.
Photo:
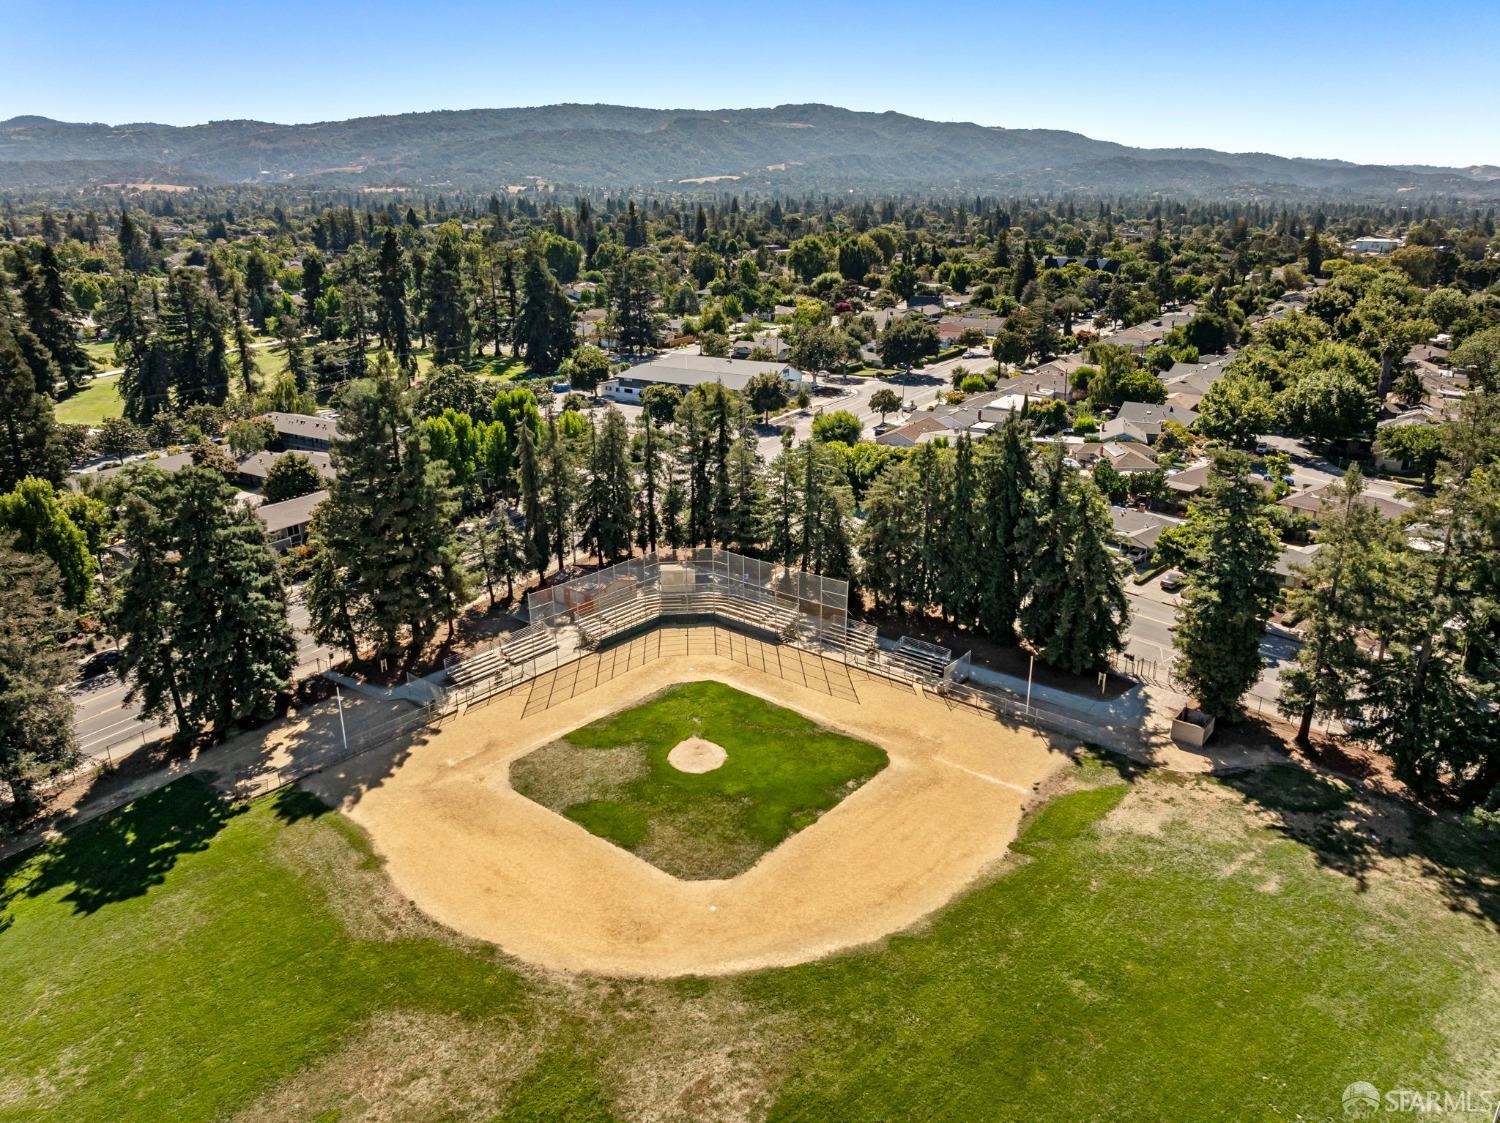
(920, 659)
(530, 642)
(616, 613)
(735, 604)
(477, 668)
(497, 661)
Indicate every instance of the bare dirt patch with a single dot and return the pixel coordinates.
(408, 1065)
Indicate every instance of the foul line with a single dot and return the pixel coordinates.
(983, 776)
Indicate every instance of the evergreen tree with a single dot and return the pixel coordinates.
(886, 539)
(260, 298)
(313, 271)
(1093, 610)
(607, 509)
(961, 563)
(29, 441)
(929, 496)
(1005, 527)
(36, 717)
(390, 520)
(533, 507)
(1429, 696)
(723, 440)
(329, 590)
(1045, 546)
(673, 500)
(191, 330)
(744, 529)
(559, 490)
(501, 553)
(648, 522)
(146, 378)
(445, 299)
(632, 295)
(244, 344)
(1339, 592)
(544, 320)
(1232, 587)
(783, 505)
(289, 331)
(824, 532)
(134, 250)
(34, 356)
(392, 319)
(50, 312)
(234, 646)
(145, 610)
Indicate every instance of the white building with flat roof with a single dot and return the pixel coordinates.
(1375, 245)
(686, 371)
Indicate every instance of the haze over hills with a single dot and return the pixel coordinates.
(790, 147)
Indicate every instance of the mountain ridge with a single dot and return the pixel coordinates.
(808, 146)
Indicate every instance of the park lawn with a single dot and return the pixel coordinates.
(1160, 948)
(102, 354)
(92, 404)
(782, 772)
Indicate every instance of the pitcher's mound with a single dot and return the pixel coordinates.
(696, 755)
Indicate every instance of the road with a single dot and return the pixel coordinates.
(921, 388)
(1148, 646)
(107, 725)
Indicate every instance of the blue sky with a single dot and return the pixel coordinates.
(1376, 81)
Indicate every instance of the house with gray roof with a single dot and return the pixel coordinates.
(1142, 421)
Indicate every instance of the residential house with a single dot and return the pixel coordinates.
(916, 432)
(302, 433)
(286, 523)
(1137, 531)
(1142, 421)
(1311, 501)
(257, 466)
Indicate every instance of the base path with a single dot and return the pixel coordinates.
(489, 863)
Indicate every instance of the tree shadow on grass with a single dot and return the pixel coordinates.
(1352, 831)
(292, 804)
(126, 853)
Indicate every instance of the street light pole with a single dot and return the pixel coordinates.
(1029, 670)
(344, 733)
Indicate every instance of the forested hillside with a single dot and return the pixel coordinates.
(788, 146)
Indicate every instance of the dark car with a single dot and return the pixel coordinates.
(98, 663)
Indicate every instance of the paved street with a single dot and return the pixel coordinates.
(1153, 620)
(107, 725)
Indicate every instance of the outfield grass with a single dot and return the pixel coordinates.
(782, 772)
(92, 404)
(1159, 949)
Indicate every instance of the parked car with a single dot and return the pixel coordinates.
(98, 663)
(1173, 580)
